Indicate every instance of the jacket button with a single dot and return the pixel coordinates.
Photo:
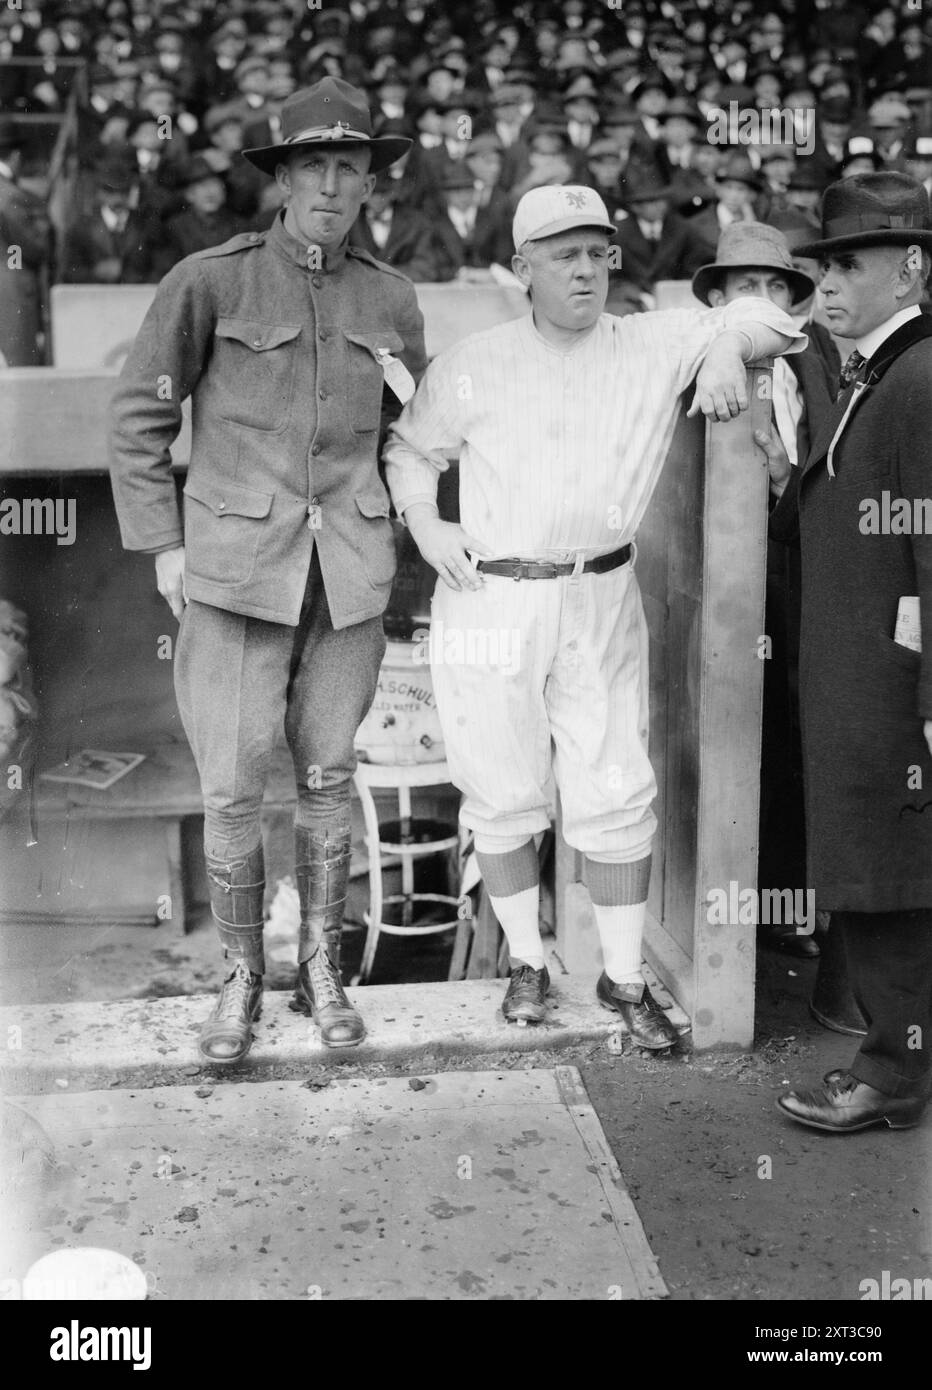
(315, 502)
(317, 449)
(322, 395)
(220, 506)
(322, 335)
(257, 342)
(316, 281)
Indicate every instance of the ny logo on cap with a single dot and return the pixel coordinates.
(576, 200)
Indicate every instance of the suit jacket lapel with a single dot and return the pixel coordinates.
(912, 332)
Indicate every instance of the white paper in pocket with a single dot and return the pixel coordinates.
(908, 632)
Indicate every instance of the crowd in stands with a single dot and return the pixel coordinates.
(653, 104)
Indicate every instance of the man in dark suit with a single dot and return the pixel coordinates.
(656, 244)
(113, 244)
(206, 219)
(464, 235)
(865, 653)
(754, 259)
(25, 244)
(393, 232)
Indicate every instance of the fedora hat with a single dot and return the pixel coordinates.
(646, 187)
(883, 209)
(737, 167)
(744, 245)
(330, 111)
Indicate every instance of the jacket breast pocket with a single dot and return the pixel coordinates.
(366, 377)
(223, 526)
(254, 367)
(378, 548)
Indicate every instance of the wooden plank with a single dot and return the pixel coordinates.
(642, 1278)
(94, 325)
(56, 421)
(731, 701)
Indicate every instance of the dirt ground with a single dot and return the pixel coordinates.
(738, 1203)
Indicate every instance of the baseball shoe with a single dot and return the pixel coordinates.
(643, 1017)
(526, 996)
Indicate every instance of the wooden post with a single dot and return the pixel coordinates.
(702, 553)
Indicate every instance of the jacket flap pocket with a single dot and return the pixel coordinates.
(380, 341)
(257, 336)
(373, 503)
(229, 499)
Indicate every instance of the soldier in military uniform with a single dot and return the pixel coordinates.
(293, 346)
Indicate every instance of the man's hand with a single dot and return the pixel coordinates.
(169, 574)
(778, 463)
(721, 384)
(927, 730)
(443, 545)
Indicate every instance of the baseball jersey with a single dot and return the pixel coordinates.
(560, 449)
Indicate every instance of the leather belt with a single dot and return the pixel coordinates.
(542, 569)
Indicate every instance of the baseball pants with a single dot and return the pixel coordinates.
(543, 681)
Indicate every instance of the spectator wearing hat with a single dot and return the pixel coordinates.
(226, 47)
(485, 161)
(251, 78)
(25, 248)
(862, 155)
(650, 98)
(738, 187)
(391, 94)
(865, 688)
(489, 72)
(549, 159)
(581, 111)
(804, 190)
(508, 124)
(694, 188)
(464, 237)
(206, 219)
(680, 125)
(394, 233)
(603, 170)
(888, 119)
(777, 163)
(655, 242)
(917, 160)
(291, 343)
(112, 244)
(753, 259)
(834, 116)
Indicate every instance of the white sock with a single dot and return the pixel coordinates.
(621, 931)
(518, 914)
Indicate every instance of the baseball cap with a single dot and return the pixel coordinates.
(544, 212)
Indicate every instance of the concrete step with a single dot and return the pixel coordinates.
(131, 1042)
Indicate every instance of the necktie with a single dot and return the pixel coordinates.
(851, 370)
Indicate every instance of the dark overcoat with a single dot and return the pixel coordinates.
(863, 696)
(24, 249)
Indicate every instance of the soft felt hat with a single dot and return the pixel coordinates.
(747, 245)
(330, 112)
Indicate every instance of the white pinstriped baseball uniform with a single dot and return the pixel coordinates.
(560, 451)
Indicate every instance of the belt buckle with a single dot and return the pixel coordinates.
(517, 572)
